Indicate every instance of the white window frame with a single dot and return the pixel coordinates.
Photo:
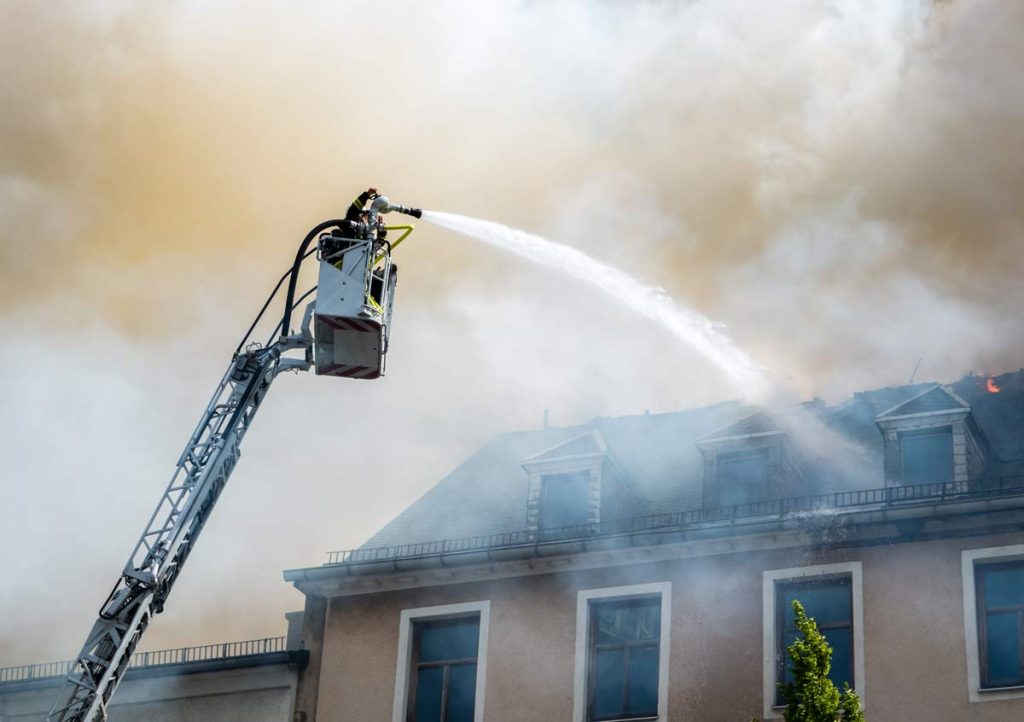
(969, 560)
(663, 590)
(854, 570)
(482, 609)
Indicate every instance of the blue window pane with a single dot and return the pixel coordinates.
(444, 641)
(742, 479)
(1002, 636)
(428, 694)
(927, 459)
(461, 693)
(618, 624)
(643, 681)
(826, 602)
(565, 500)
(787, 677)
(609, 683)
(1004, 588)
(830, 604)
(841, 642)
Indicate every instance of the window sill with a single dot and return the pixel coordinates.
(1010, 688)
(631, 719)
(995, 694)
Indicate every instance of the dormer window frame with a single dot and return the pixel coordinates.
(783, 466)
(896, 429)
(906, 435)
(761, 452)
(970, 448)
(600, 467)
(548, 482)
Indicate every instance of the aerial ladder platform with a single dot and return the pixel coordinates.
(344, 332)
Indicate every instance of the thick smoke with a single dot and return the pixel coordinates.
(836, 182)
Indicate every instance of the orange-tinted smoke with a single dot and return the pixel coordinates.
(155, 150)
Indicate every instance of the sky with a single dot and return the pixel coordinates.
(836, 183)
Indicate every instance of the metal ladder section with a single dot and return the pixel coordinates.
(202, 471)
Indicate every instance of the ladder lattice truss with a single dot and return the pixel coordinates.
(202, 471)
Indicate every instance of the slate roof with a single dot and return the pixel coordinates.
(930, 400)
(1000, 416)
(757, 423)
(584, 444)
(486, 494)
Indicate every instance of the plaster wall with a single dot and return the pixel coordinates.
(914, 640)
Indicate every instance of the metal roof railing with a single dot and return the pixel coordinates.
(821, 505)
(159, 658)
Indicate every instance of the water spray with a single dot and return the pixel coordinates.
(695, 329)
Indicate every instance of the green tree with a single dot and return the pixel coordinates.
(811, 696)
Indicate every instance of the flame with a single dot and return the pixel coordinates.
(991, 386)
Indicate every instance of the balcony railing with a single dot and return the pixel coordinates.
(179, 655)
(820, 505)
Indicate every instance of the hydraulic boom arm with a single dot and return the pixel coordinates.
(209, 458)
(202, 471)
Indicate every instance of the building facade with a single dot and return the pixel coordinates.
(251, 681)
(642, 568)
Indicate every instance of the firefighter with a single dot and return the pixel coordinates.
(356, 209)
(355, 215)
(356, 224)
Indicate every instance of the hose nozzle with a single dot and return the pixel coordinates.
(381, 204)
(414, 212)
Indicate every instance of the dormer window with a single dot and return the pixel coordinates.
(926, 456)
(564, 500)
(576, 483)
(932, 438)
(742, 477)
(749, 461)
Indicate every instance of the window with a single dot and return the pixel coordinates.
(622, 653)
(833, 595)
(565, 500)
(442, 655)
(443, 678)
(1000, 599)
(829, 601)
(927, 456)
(622, 679)
(742, 478)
